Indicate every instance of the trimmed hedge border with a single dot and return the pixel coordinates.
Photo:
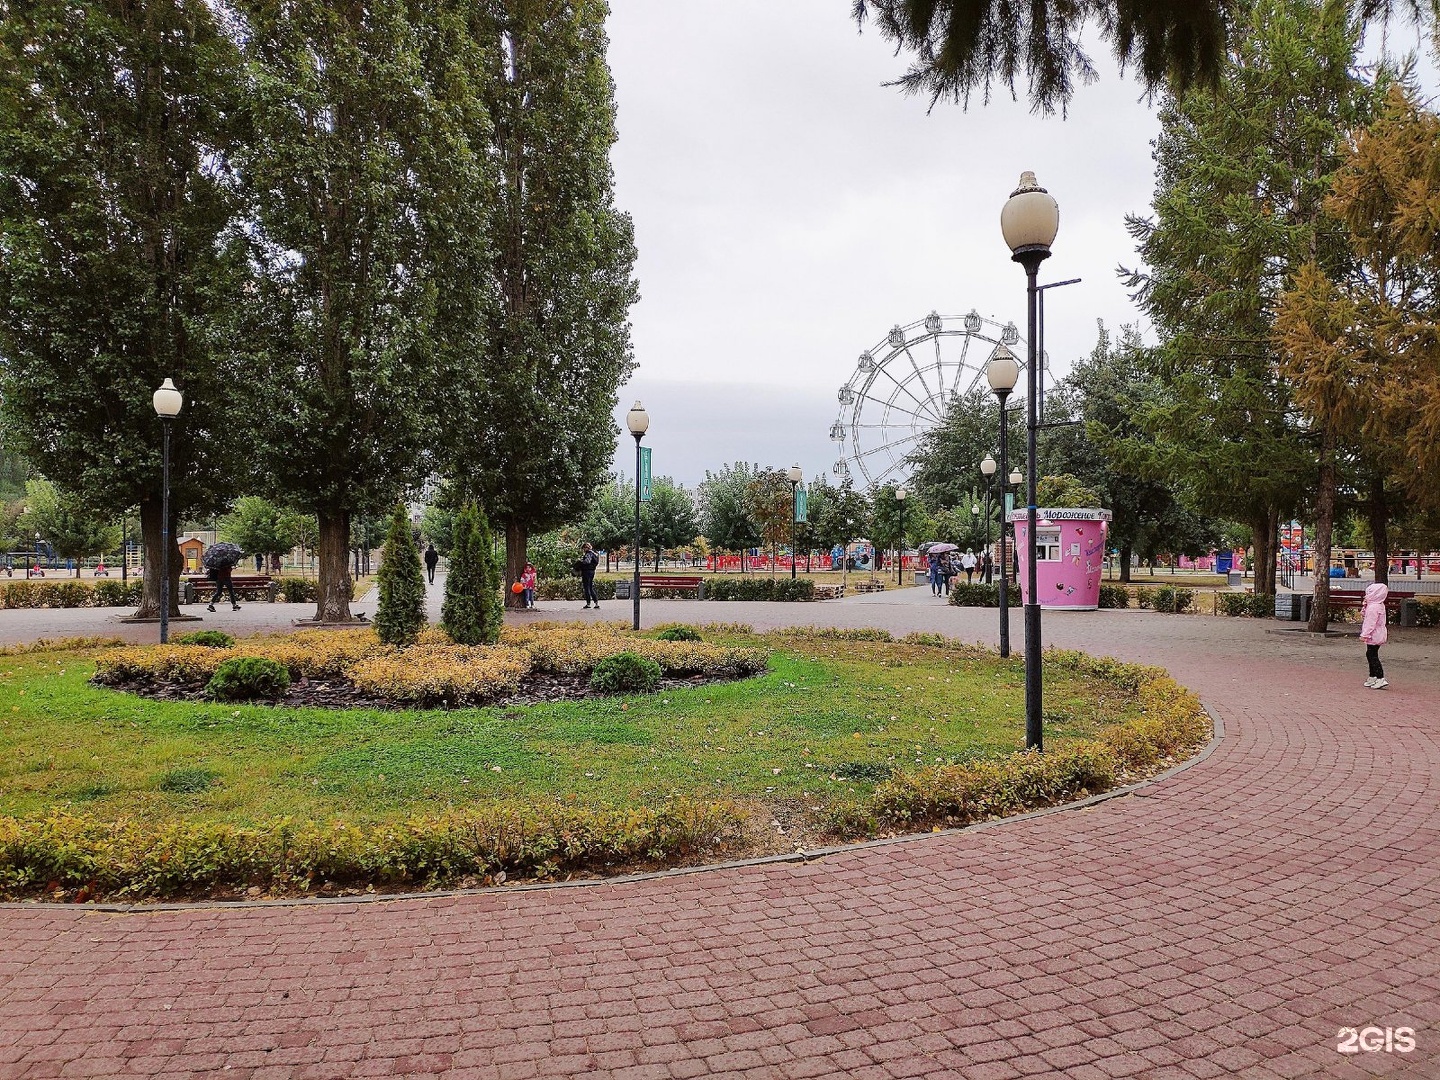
(138, 860)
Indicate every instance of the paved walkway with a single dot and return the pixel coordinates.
(1229, 921)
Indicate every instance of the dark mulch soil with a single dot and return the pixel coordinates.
(340, 693)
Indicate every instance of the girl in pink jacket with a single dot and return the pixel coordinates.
(1373, 633)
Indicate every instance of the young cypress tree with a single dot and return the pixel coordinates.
(473, 611)
(402, 585)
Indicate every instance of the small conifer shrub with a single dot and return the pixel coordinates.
(401, 612)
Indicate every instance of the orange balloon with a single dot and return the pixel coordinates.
(517, 588)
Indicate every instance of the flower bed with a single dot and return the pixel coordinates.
(350, 668)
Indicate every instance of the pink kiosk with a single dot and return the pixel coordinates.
(1069, 555)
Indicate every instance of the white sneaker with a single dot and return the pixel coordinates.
(1370, 681)
(1379, 684)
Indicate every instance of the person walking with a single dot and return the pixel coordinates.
(586, 565)
(948, 570)
(221, 576)
(527, 584)
(1373, 632)
(967, 563)
(432, 559)
(933, 573)
(987, 567)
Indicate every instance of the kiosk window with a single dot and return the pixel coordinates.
(1047, 548)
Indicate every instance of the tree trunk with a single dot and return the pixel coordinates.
(1271, 566)
(1376, 510)
(332, 591)
(150, 529)
(1260, 545)
(1126, 551)
(516, 537)
(1324, 524)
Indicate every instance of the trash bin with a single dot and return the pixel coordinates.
(622, 590)
(1235, 578)
(1410, 612)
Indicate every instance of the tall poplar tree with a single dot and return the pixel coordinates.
(368, 203)
(533, 432)
(1241, 176)
(119, 263)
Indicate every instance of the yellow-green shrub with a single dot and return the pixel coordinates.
(449, 675)
(141, 860)
(973, 792)
(187, 663)
(317, 654)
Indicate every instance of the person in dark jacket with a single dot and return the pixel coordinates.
(586, 565)
(221, 576)
(432, 559)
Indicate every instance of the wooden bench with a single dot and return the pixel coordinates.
(676, 582)
(249, 586)
(1351, 599)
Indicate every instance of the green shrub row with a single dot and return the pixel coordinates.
(1114, 596)
(980, 595)
(568, 588)
(1429, 613)
(1255, 605)
(140, 860)
(68, 593)
(759, 588)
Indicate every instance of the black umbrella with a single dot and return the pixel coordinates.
(221, 554)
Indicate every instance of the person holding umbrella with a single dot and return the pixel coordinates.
(220, 560)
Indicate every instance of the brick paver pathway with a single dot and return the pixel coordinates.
(1228, 921)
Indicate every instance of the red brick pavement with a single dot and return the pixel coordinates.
(1227, 921)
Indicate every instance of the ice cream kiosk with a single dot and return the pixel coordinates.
(1069, 555)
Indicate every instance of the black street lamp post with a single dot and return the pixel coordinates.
(987, 470)
(795, 475)
(1003, 371)
(167, 401)
(1029, 222)
(638, 421)
(900, 495)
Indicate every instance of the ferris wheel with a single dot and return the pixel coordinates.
(902, 385)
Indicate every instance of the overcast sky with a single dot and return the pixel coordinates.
(789, 208)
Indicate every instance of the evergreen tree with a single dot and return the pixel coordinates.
(401, 580)
(473, 612)
(120, 261)
(534, 430)
(1356, 337)
(1241, 178)
(964, 46)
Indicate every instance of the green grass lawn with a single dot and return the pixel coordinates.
(829, 720)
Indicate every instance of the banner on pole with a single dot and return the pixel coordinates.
(645, 474)
(801, 498)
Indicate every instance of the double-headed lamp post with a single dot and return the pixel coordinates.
(638, 421)
(1029, 221)
(167, 401)
(1002, 372)
(796, 475)
(900, 495)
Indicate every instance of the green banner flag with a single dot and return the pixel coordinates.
(645, 474)
(801, 498)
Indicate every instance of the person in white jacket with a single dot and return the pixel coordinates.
(1373, 632)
